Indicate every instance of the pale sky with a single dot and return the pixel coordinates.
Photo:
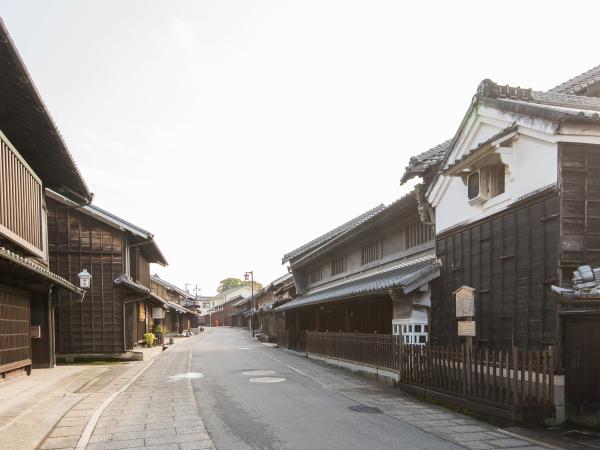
(236, 131)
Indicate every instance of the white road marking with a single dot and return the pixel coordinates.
(243, 348)
(316, 380)
(258, 373)
(527, 439)
(185, 376)
(267, 380)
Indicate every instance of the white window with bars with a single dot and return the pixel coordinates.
(412, 331)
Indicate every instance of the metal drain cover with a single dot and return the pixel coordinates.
(365, 409)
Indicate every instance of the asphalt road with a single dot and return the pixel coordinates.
(254, 396)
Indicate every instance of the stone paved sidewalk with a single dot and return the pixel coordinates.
(439, 421)
(158, 411)
(67, 431)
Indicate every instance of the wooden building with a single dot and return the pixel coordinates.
(222, 306)
(33, 156)
(178, 317)
(280, 291)
(120, 304)
(370, 275)
(515, 200)
(243, 310)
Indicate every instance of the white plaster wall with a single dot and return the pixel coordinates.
(403, 311)
(533, 166)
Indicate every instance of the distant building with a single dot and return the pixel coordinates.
(179, 317)
(222, 305)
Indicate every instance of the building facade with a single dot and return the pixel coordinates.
(33, 156)
(120, 306)
(514, 200)
(370, 275)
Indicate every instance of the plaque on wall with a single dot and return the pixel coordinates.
(465, 301)
(466, 328)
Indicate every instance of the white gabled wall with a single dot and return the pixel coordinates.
(532, 165)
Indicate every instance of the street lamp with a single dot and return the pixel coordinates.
(250, 275)
(84, 279)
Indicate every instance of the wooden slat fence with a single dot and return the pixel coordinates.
(501, 378)
(379, 350)
(508, 378)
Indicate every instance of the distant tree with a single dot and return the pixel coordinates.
(231, 282)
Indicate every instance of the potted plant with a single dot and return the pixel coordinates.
(149, 338)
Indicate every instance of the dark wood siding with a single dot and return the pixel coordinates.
(77, 241)
(15, 340)
(140, 267)
(579, 207)
(511, 259)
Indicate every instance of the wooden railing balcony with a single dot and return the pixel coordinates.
(22, 214)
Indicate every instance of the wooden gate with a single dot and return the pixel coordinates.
(582, 370)
(15, 322)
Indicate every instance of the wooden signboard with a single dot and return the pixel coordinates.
(465, 301)
(466, 328)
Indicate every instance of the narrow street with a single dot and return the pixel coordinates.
(252, 397)
(223, 389)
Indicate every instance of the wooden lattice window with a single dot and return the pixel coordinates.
(487, 182)
(417, 233)
(370, 252)
(338, 266)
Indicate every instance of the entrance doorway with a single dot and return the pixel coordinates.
(582, 369)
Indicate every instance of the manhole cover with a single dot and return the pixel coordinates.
(267, 380)
(259, 373)
(365, 409)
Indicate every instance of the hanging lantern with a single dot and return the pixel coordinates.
(85, 279)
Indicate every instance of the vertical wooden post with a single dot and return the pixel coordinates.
(346, 319)
(515, 364)
(317, 319)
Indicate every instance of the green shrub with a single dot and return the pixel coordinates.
(160, 329)
(149, 338)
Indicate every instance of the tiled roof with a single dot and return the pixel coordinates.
(227, 292)
(37, 269)
(128, 282)
(578, 84)
(331, 234)
(424, 161)
(28, 125)
(114, 221)
(407, 275)
(172, 287)
(489, 89)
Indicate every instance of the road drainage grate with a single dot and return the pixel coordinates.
(365, 409)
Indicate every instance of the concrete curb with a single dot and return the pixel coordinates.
(380, 375)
